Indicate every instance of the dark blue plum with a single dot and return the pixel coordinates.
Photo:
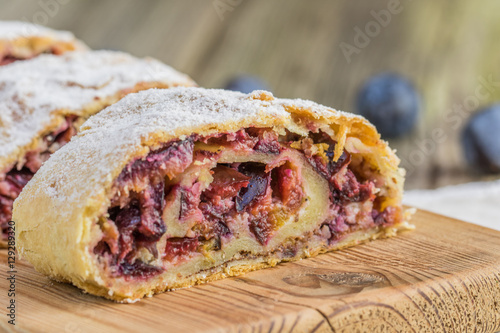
(246, 84)
(257, 186)
(481, 140)
(391, 103)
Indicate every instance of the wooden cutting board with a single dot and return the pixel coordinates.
(444, 276)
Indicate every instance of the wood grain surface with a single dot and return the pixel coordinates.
(442, 277)
(449, 49)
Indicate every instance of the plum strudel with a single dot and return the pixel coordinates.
(169, 188)
(44, 101)
(23, 40)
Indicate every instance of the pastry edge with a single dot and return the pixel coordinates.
(34, 45)
(237, 267)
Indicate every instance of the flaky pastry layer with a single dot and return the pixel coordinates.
(22, 40)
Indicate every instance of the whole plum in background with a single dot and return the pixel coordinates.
(391, 103)
(481, 140)
(246, 84)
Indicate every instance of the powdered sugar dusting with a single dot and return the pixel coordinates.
(110, 139)
(157, 110)
(11, 30)
(316, 108)
(34, 93)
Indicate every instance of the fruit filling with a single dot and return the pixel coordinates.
(9, 58)
(195, 199)
(17, 175)
(5, 60)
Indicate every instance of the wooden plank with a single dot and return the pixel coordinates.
(444, 276)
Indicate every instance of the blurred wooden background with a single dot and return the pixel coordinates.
(449, 49)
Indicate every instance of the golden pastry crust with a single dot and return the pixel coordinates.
(24, 40)
(133, 127)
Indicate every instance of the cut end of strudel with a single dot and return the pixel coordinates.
(44, 101)
(23, 40)
(170, 188)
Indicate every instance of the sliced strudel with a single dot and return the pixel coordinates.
(44, 101)
(170, 188)
(23, 40)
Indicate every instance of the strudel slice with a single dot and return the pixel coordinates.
(170, 188)
(44, 101)
(22, 40)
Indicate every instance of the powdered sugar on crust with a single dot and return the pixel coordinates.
(36, 93)
(11, 30)
(180, 108)
(318, 109)
(128, 129)
(167, 111)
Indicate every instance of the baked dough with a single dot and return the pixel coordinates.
(43, 102)
(23, 40)
(169, 188)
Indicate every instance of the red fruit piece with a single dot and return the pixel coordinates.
(227, 182)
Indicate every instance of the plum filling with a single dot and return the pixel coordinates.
(178, 247)
(250, 139)
(10, 58)
(14, 178)
(134, 220)
(169, 161)
(193, 197)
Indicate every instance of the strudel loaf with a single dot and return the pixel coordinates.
(169, 188)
